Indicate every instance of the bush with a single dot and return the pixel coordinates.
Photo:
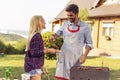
(47, 44)
(20, 46)
(2, 47)
(59, 42)
(10, 49)
(45, 37)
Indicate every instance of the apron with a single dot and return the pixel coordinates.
(71, 51)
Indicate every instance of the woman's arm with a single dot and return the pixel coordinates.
(36, 46)
(51, 50)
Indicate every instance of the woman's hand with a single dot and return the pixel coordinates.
(54, 51)
(51, 50)
(45, 50)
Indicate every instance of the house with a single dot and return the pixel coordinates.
(107, 23)
(105, 14)
(61, 17)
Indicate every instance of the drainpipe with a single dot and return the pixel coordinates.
(98, 33)
(60, 22)
(52, 27)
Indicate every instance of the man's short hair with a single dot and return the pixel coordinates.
(72, 8)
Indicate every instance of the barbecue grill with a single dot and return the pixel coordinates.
(89, 73)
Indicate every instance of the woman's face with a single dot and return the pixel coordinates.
(44, 24)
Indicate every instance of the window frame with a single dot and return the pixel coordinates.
(108, 28)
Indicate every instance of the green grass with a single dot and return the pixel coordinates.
(112, 64)
(17, 62)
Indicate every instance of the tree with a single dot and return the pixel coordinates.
(2, 47)
(58, 42)
(83, 15)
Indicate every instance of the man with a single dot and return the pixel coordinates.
(75, 34)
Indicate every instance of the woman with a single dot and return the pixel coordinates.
(34, 58)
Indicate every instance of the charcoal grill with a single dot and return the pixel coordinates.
(89, 73)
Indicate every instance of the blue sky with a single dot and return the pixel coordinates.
(16, 14)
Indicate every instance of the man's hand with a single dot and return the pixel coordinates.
(52, 39)
(82, 59)
(84, 56)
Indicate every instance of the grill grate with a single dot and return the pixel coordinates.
(89, 73)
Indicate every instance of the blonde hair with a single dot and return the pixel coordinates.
(36, 26)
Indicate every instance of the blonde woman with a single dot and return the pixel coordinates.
(34, 58)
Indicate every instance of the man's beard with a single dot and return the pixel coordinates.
(71, 20)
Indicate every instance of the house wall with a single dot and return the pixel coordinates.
(95, 34)
(99, 40)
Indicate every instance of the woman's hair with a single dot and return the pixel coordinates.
(36, 25)
(72, 8)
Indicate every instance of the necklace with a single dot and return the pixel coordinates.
(73, 30)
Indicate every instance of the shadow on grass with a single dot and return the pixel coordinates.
(104, 54)
(92, 57)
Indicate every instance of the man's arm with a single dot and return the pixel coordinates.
(88, 42)
(84, 56)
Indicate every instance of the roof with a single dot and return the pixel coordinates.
(105, 10)
(101, 10)
(81, 4)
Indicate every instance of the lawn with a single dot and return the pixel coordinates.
(17, 61)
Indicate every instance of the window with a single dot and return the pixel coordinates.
(108, 28)
(111, 1)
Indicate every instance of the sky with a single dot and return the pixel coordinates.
(16, 14)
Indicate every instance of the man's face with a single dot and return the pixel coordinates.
(71, 16)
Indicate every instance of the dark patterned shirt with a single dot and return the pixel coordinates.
(34, 58)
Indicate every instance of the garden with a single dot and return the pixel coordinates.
(16, 62)
(13, 58)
